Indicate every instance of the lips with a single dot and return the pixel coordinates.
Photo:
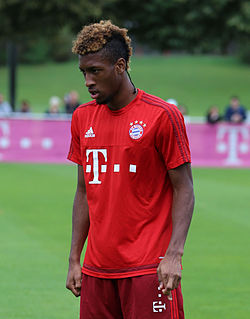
(94, 94)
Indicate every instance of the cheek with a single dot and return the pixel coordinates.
(110, 83)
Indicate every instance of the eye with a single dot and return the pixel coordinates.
(83, 72)
(95, 71)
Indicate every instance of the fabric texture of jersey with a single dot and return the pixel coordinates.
(126, 155)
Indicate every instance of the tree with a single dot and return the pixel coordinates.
(22, 18)
(192, 25)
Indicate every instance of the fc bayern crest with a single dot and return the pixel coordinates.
(136, 130)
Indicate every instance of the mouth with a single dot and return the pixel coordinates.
(94, 94)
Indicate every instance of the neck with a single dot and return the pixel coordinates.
(125, 94)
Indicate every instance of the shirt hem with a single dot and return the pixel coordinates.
(178, 163)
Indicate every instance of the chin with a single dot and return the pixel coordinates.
(98, 101)
(102, 101)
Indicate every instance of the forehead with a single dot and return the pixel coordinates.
(93, 60)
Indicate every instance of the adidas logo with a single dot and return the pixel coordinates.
(90, 133)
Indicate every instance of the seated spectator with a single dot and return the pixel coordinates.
(5, 107)
(54, 106)
(71, 102)
(213, 115)
(25, 107)
(235, 113)
(183, 109)
(172, 101)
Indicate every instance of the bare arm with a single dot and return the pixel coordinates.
(80, 228)
(169, 270)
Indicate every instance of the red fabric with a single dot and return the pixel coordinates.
(128, 298)
(125, 156)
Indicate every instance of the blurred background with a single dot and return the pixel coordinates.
(194, 54)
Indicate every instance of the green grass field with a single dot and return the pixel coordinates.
(35, 231)
(196, 81)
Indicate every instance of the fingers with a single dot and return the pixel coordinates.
(168, 286)
(74, 284)
(168, 283)
(75, 290)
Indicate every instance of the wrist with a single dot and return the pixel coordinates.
(174, 253)
(74, 259)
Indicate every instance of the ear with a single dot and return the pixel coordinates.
(120, 65)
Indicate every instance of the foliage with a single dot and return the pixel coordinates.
(36, 17)
(60, 45)
(34, 50)
(2, 54)
(190, 25)
(42, 29)
(193, 25)
(244, 52)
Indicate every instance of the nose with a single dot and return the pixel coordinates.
(89, 80)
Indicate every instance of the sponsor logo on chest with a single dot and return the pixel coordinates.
(89, 133)
(95, 167)
(136, 129)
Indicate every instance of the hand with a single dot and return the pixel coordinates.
(74, 279)
(169, 274)
(236, 118)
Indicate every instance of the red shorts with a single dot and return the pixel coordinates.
(128, 298)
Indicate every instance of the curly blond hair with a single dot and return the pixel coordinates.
(104, 35)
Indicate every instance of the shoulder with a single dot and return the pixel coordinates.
(81, 112)
(166, 110)
(85, 107)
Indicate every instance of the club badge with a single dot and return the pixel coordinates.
(136, 129)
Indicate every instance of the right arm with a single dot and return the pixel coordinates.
(80, 228)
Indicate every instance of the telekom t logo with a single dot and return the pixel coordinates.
(97, 154)
(235, 144)
(96, 164)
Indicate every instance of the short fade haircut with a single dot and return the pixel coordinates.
(105, 36)
(234, 97)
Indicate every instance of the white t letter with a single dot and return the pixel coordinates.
(96, 163)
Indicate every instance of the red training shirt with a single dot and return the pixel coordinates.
(126, 155)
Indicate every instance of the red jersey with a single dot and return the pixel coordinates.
(126, 155)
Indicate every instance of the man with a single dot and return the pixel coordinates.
(72, 102)
(235, 113)
(5, 108)
(134, 197)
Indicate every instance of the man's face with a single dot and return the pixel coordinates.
(235, 103)
(102, 78)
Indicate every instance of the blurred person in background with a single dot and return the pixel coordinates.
(71, 102)
(5, 107)
(54, 106)
(183, 109)
(172, 101)
(213, 115)
(25, 106)
(235, 112)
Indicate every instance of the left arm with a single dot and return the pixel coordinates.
(169, 269)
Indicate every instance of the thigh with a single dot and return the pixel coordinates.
(142, 299)
(99, 299)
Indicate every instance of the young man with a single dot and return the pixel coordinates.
(235, 112)
(134, 197)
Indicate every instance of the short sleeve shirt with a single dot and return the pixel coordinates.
(126, 155)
